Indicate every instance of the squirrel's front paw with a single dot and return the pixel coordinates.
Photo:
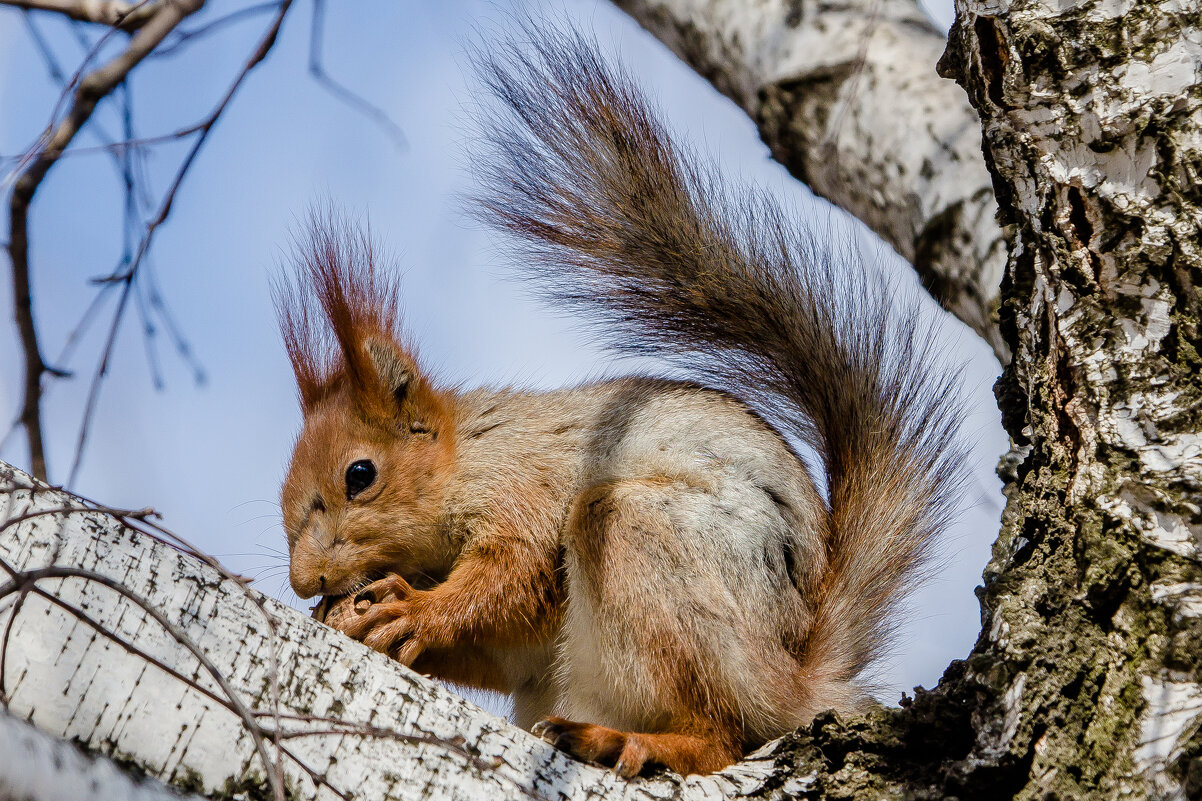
(393, 626)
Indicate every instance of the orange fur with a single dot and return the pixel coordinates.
(646, 565)
(693, 746)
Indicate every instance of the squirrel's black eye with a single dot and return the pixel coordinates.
(359, 476)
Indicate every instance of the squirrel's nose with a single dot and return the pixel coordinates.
(304, 582)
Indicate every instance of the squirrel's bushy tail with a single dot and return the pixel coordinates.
(612, 215)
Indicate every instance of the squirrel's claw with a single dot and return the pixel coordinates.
(390, 628)
(381, 590)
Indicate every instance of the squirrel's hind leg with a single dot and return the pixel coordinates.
(658, 661)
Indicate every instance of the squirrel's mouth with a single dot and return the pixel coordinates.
(320, 610)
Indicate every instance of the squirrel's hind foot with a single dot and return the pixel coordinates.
(628, 753)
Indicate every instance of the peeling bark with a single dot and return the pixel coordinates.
(846, 96)
(1090, 665)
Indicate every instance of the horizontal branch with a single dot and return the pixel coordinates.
(116, 13)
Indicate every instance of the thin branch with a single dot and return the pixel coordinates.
(266, 42)
(182, 38)
(132, 144)
(183, 350)
(8, 629)
(120, 514)
(340, 91)
(90, 91)
(98, 377)
(149, 337)
(128, 17)
(124, 159)
(52, 66)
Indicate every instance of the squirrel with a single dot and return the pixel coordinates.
(645, 564)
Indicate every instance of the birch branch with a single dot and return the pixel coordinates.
(37, 767)
(139, 650)
(846, 96)
(124, 16)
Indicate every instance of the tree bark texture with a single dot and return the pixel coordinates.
(846, 96)
(35, 766)
(1089, 670)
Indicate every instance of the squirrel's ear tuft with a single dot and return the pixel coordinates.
(305, 337)
(340, 317)
(335, 301)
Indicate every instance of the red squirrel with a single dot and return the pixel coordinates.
(645, 565)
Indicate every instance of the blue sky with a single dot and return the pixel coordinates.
(211, 457)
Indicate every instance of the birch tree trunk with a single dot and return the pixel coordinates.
(846, 96)
(1091, 659)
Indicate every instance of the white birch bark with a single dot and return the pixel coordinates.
(846, 96)
(194, 655)
(35, 766)
(1092, 114)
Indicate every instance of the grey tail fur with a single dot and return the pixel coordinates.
(608, 213)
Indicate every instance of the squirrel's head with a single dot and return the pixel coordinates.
(364, 489)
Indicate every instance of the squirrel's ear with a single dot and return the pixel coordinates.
(394, 368)
(403, 396)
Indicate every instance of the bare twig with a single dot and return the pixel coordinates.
(125, 159)
(339, 90)
(131, 144)
(90, 91)
(52, 66)
(182, 349)
(182, 38)
(8, 629)
(127, 276)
